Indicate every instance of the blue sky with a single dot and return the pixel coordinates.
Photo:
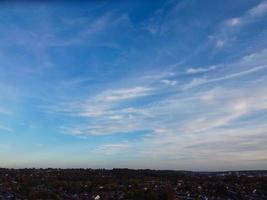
(163, 85)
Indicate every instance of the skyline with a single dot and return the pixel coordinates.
(165, 85)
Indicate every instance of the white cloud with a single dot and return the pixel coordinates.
(258, 10)
(163, 19)
(176, 136)
(215, 109)
(115, 146)
(105, 126)
(195, 82)
(70, 83)
(102, 103)
(229, 109)
(200, 70)
(249, 57)
(5, 128)
(220, 43)
(122, 94)
(255, 58)
(204, 124)
(233, 145)
(228, 29)
(116, 117)
(112, 148)
(207, 97)
(170, 145)
(249, 16)
(239, 74)
(169, 82)
(200, 81)
(233, 21)
(5, 111)
(86, 29)
(108, 111)
(172, 116)
(39, 145)
(161, 74)
(90, 110)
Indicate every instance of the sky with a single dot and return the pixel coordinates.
(134, 84)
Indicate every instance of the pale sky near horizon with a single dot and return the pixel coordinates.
(138, 84)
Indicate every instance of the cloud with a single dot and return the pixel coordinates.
(212, 129)
(119, 111)
(255, 58)
(234, 107)
(116, 117)
(200, 81)
(122, 94)
(204, 124)
(166, 115)
(164, 19)
(235, 145)
(116, 146)
(184, 125)
(233, 22)
(228, 30)
(101, 103)
(220, 43)
(195, 82)
(111, 148)
(39, 145)
(108, 112)
(165, 74)
(106, 126)
(200, 70)
(153, 106)
(74, 82)
(258, 10)
(92, 28)
(5, 128)
(207, 97)
(84, 31)
(4, 111)
(169, 82)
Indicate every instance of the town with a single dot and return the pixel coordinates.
(126, 184)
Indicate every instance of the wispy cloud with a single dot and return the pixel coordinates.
(200, 70)
(110, 149)
(5, 111)
(169, 82)
(233, 22)
(112, 114)
(258, 10)
(229, 30)
(164, 18)
(171, 87)
(91, 29)
(5, 128)
(201, 81)
(253, 13)
(236, 110)
(122, 94)
(220, 130)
